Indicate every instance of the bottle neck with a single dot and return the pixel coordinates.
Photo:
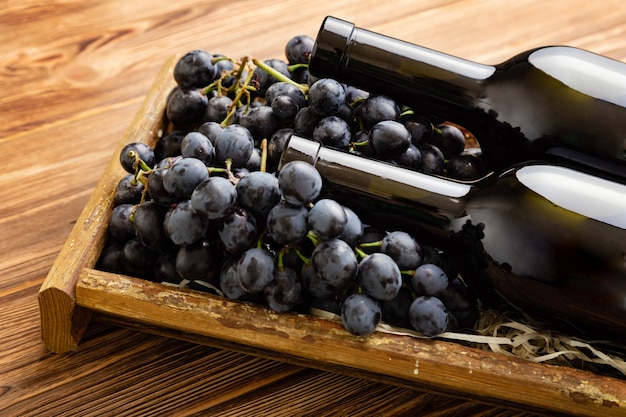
(380, 63)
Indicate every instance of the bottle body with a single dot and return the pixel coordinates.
(553, 243)
(518, 110)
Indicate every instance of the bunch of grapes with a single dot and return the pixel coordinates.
(209, 209)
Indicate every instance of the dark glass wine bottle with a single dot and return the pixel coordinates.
(547, 237)
(553, 102)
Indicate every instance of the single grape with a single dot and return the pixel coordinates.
(195, 70)
(428, 316)
(186, 107)
(396, 311)
(465, 166)
(210, 130)
(403, 249)
(432, 159)
(284, 108)
(128, 191)
(194, 261)
(120, 222)
(299, 182)
(411, 158)
(298, 49)
(260, 122)
(353, 229)
(281, 89)
(237, 231)
(429, 279)
(283, 292)
(132, 151)
(255, 270)
(258, 191)
(217, 109)
(327, 219)
(334, 263)
(378, 108)
(111, 258)
(360, 314)
(305, 121)
(449, 139)
(214, 198)
(333, 131)
(326, 97)
(389, 139)
(380, 276)
(165, 268)
(264, 79)
(276, 146)
(156, 189)
(287, 224)
(138, 259)
(196, 145)
(184, 175)
(229, 282)
(148, 224)
(169, 145)
(234, 142)
(183, 226)
(420, 128)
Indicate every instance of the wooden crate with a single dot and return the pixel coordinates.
(74, 293)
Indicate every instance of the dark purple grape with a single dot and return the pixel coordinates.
(156, 189)
(380, 276)
(403, 249)
(429, 279)
(186, 107)
(184, 175)
(300, 183)
(111, 258)
(210, 130)
(420, 128)
(165, 269)
(258, 191)
(360, 314)
(285, 108)
(333, 131)
(255, 270)
(196, 145)
(195, 261)
(305, 121)
(327, 219)
(433, 160)
(261, 122)
(326, 97)
(389, 139)
(128, 191)
(264, 79)
(214, 198)
(298, 49)
(465, 166)
(148, 224)
(428, 316)
(253, 163)
(169, 145)
(411, 158)
(334, 263)
(183, 226)
(276, 146)
(287, 224)
(135, 150)
(138, 259)
(378, 108)
(461, 304)
(217, 108)
(237, 231)
(120, 222)
(353, 229)
(355, 95)
(449, 139)
(281, 89)
(283, 292)
(236, 143)
(229, 282)
(195, 70)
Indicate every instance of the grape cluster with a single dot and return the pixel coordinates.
(208, 208)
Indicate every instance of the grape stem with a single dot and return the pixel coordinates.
(280, 77)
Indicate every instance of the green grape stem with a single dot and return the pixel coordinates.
(280, 77)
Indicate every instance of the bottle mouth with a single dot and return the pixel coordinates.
(329, 51)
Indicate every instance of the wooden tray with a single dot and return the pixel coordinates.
(74, 293)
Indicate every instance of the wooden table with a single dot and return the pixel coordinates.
(72, 76)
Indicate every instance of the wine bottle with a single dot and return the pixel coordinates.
(553, 102)
(544, 236)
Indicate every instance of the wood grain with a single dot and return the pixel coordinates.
(73, 74)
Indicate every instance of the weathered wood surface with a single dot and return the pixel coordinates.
(72, 76)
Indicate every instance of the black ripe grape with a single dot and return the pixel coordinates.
(134, 151)
(333, 131)
(429, 279)
(258, 191)
(380, 276)
(255, 270)
(298, 49)
(283, 292)
(184, 175)
(195, 70)
(234, 143)
(428, 315)
(403, 249)
(360, 314)
(449, 139)
(214, 198)
(389, 139)
(326, 97)
(286, 223)
(299, 182)
(327, 219)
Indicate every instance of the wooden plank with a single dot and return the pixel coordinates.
(62, 324)
(440, 365)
